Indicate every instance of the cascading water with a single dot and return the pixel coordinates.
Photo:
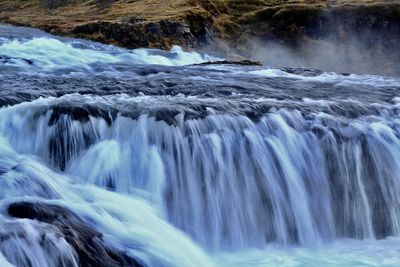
(195, 165)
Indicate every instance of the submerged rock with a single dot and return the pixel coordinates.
(7, 60)
(86, 241)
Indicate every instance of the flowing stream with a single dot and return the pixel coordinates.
(180, 164)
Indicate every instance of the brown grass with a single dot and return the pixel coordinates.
(226, 13)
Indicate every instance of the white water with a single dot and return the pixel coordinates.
(48, 55)
(349, 253)
(128, 222)
(330, 77)
(230, 184)
(72, 57)
(23, 245)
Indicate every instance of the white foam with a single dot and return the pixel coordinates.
(4, 262)
(330, 77)
(49, 54)
(273, 73)
(349, 253)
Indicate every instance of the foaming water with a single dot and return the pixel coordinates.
(383, 253)
(338, 79)
(49, 55)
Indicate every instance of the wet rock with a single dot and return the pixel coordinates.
(81, 113)
(232, 62)
(302, 71)
(87, 242)
(6, 59)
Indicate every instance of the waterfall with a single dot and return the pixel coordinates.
(228, 181)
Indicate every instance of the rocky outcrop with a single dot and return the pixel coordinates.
(192, 31)
(87, 242)
(292, 23)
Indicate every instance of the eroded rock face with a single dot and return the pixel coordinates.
(193, 31)
(88, 244)
(341, 22)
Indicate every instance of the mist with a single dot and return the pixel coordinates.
(359, 55)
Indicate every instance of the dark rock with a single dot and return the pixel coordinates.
(104, 3)
(87, 242)
(52, 4)
(192, 31)
(232, 62)
(6, 59)
(302, 71)
(81, 113)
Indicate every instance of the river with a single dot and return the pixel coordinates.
(182, 164)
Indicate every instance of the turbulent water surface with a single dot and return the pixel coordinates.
(180, 164)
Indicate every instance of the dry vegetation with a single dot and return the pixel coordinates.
(66, 13)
